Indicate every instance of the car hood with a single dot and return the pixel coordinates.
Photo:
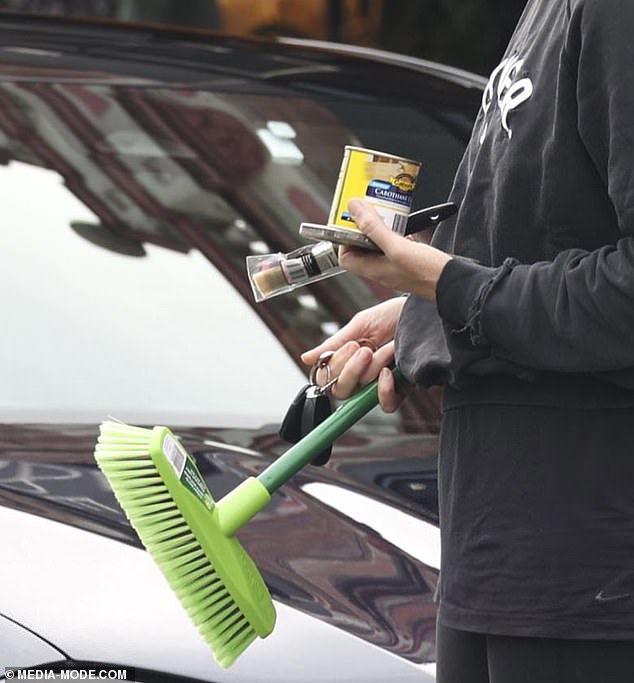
(353, 561)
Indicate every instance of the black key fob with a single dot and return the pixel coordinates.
(291, 427)
(308, 409)
(317, 407)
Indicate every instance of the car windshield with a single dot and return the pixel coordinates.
(89, 330)
(128, 210)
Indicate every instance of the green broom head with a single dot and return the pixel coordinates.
(189, 535)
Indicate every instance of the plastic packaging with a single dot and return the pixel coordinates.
(274, 274)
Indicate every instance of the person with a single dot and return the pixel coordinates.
(523, 309)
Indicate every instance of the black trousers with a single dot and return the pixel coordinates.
(465, 657)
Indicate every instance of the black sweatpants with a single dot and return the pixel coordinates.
(465, 657)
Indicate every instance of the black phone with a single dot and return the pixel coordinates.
(416, 222)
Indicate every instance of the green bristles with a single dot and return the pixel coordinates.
(169, 505)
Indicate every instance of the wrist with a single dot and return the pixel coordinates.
(434, 265)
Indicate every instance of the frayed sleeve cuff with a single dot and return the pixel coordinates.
(461, 295)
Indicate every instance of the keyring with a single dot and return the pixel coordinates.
(323, 363)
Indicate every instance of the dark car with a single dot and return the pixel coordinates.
(139, 167)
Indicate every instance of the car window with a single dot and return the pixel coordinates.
(128, 211)
(89, 332)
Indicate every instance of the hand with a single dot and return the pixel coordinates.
(357, 365)
(404, 265)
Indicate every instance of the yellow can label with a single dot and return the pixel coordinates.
(386, 182)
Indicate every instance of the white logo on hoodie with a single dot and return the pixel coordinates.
(508, 90)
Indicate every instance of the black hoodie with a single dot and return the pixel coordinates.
(533, 336)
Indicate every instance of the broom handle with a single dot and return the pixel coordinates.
(301, 454)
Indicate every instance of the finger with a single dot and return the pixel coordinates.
(382, 358)
(359, 260)
(388, 398)
(342, 356)
(350, 374)
(349, 332)
(311, 356)
(369, 221)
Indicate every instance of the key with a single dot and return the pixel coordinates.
(317, 407)
(308, 409)
(291, 427)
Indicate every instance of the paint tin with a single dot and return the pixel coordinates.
(385, 181)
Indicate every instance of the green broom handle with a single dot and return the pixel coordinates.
(301, 454)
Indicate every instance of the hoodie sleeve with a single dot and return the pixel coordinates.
(576, 312)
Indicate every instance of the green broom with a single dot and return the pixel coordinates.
(191, 537)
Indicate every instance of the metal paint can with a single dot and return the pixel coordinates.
(385, 181)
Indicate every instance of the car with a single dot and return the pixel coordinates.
(140, 166)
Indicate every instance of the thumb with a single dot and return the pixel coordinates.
(372, 225)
